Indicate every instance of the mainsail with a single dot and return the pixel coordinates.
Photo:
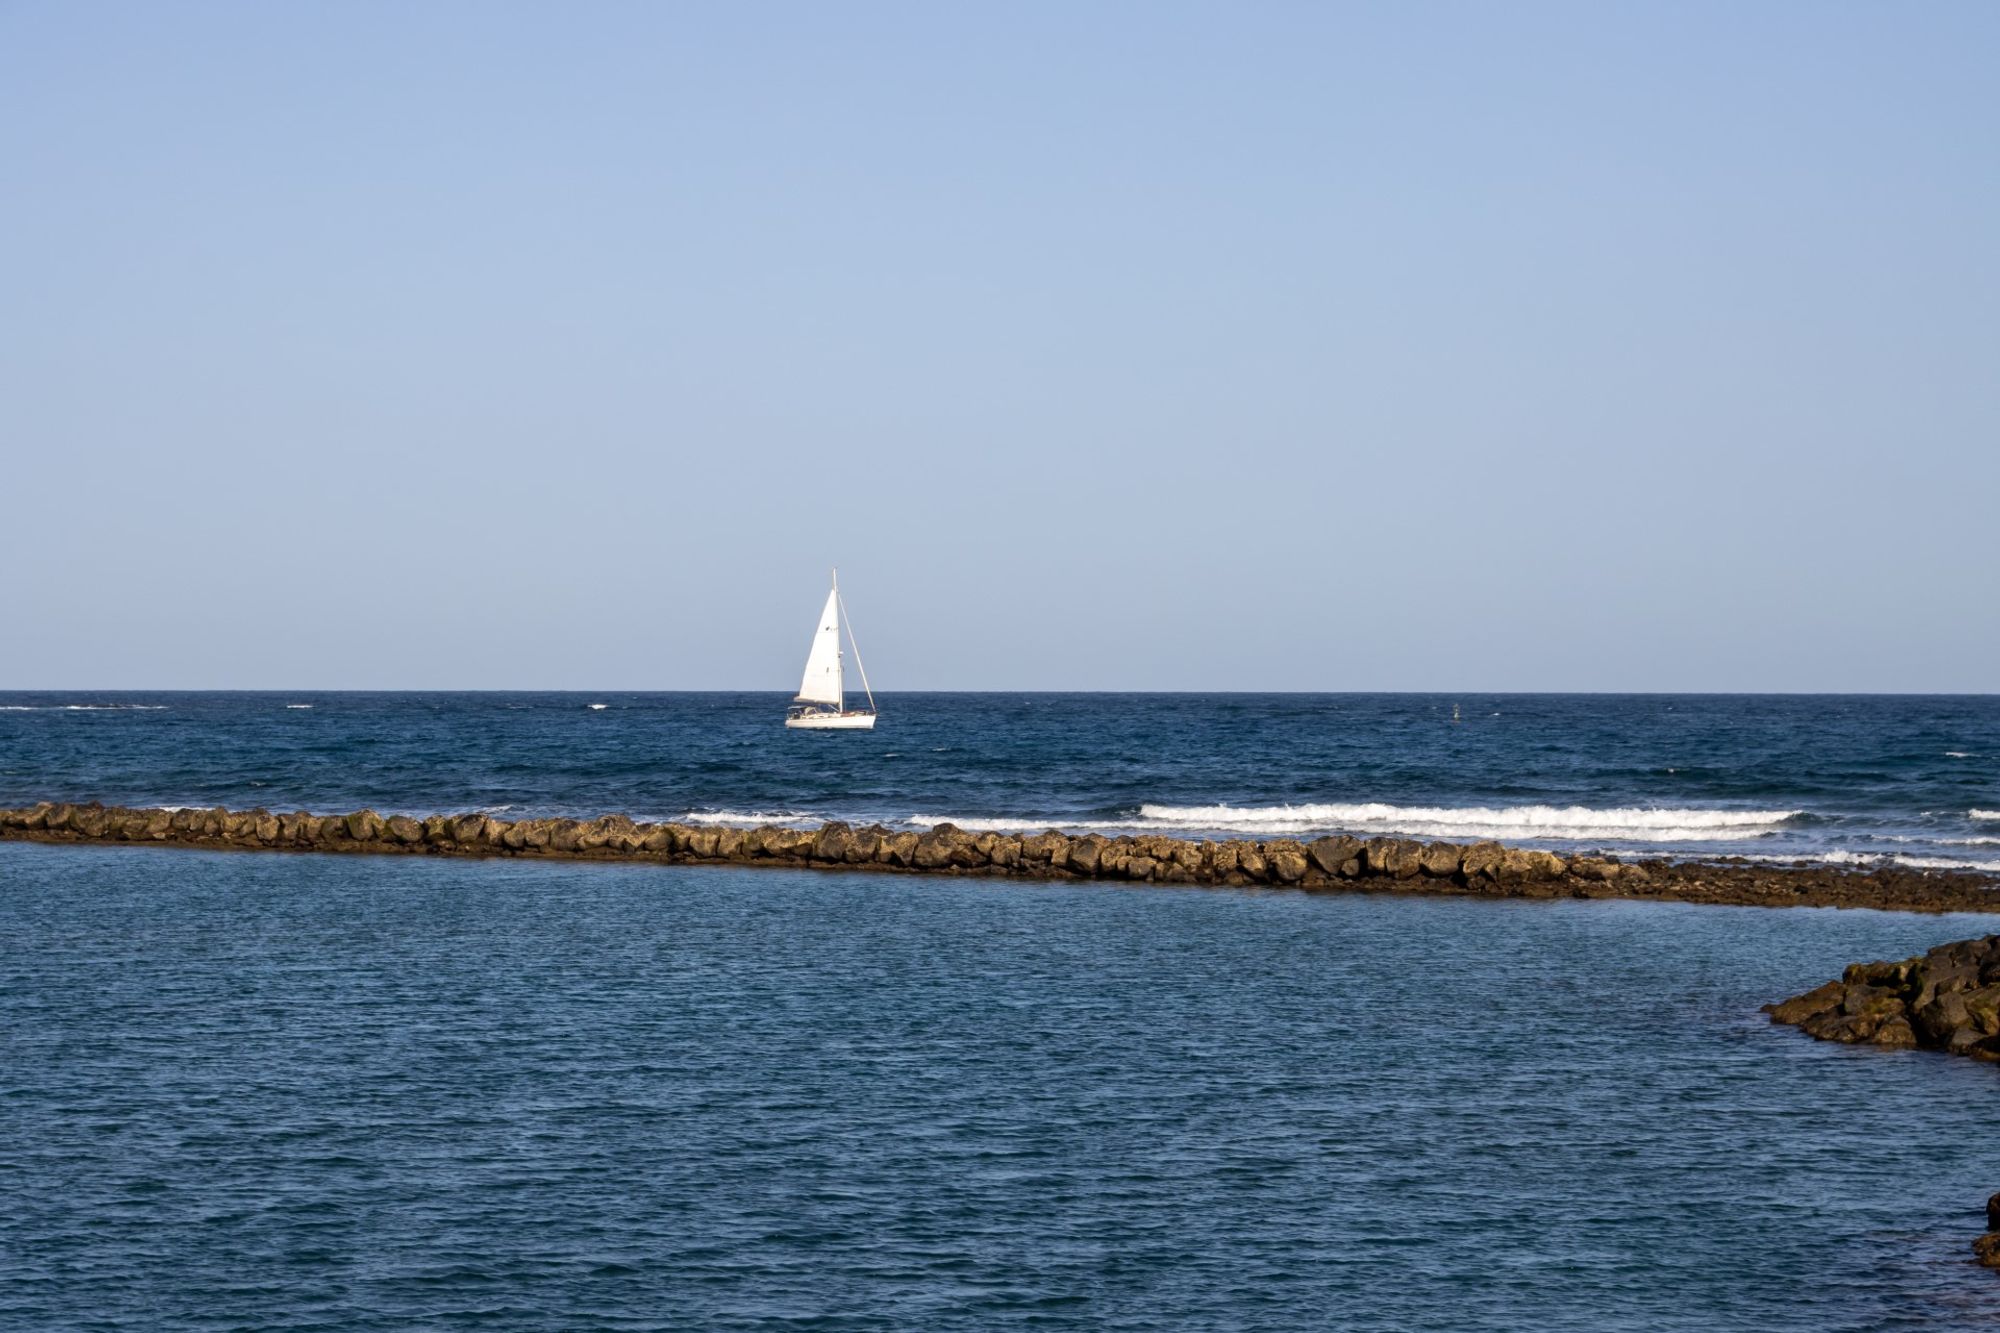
(822, 684)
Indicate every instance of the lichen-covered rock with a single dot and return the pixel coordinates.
(363, 825)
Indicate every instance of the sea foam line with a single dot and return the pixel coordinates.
(1575, 822)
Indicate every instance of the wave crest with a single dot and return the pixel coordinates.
(1575, 822)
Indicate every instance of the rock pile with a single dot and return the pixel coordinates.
(1328, 863)
(1945, 1000)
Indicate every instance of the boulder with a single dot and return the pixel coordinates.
(403, 829)
(1046, 848)
(1519, 866)
(901, 848)
(1801, 1007)
(934, 849)
(1250, 863)
(363, 825)
(1482, 860)
(1441, 860)
(1332, 854)
(1140, 867)
(1085, 852)
(1287, 859)
(832, 842)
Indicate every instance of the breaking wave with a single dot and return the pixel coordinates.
(750, 818)
(1843, 858)
(1005, 825)
(1984, 816)
(1568, 823)
(83, 708)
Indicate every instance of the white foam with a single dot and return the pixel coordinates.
(1983, 816)
(1569, 823)
(1959, 754)
(1001, 824)
(298, 705)
(83, 708)
(1876, 860)
(597, 708)
(749, 818)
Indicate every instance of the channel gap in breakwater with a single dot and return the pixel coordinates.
(1328, 864)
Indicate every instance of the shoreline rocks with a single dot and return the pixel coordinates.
(1945, 1000)
(1327, 864)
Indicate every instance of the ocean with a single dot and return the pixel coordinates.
(1869, 779)
(299, 1092)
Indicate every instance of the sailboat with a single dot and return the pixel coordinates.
(821, 703)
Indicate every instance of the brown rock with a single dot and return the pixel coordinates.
(1441, 860)
(1331, 854)
(1482, 860)
(1085, 852)
(403, 829)
(832, 842)
(1801, 1007)
(1288, 861)
(363, 825)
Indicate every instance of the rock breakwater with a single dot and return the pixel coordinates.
(1323, 864)
(1945, 1000)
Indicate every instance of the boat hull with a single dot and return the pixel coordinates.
(832, 722)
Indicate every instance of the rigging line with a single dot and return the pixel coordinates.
(857, 647)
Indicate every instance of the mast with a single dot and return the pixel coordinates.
(851, 639)
(823, 683)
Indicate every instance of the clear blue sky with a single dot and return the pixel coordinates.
(1406, 346)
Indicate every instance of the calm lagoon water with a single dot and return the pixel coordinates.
(288, 1092)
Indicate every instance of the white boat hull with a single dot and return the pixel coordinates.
(832, 722)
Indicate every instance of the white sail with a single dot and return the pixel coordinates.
(822, 684)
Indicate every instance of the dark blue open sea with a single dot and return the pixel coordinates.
(253, 1091)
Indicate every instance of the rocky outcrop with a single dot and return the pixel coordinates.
(1945, 1000)
(1329, 864)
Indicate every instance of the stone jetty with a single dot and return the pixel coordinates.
(1945, 1000)
(1328, 864)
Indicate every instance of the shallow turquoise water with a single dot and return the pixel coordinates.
(351, 1093)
